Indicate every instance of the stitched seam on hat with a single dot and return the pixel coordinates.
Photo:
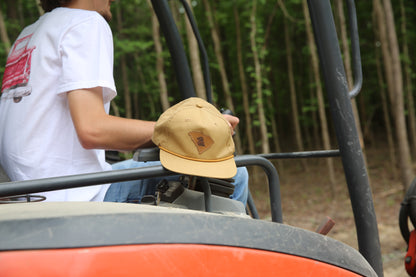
(195, 159)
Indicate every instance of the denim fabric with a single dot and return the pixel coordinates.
(133, 191)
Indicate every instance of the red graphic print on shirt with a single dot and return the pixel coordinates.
(17, 71)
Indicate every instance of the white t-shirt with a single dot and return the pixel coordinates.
(64, 50)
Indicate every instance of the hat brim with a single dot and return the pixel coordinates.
(222, 169)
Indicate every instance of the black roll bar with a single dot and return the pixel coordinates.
(177, 52)
(273, 178)
(302, 154)
(81, 180)
(9, 189)
(349, 145)
(355, 49)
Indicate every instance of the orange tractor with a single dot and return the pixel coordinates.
(190, 232)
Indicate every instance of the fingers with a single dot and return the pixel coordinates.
(232, 121)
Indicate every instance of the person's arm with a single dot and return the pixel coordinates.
(98, 130)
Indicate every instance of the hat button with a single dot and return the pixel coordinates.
(199, 105)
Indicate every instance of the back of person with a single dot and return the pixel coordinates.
(65, 49)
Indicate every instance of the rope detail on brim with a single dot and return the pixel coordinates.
(195, 159)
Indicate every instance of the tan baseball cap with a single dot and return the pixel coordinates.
(195, 139)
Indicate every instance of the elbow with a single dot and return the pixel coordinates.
(89, 138)
(88, 144)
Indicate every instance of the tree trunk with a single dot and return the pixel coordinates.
(195, 60)
(321, 104)
(305, 128)
(224, 78)
(409, 87)
(159, 61)
(174, 7)
(275, 135)
(144, 87)
(136, 101)
(11, 10)
(124, 70)
(243, 82)
(218, 54)
(404, 150)
(258, 80)
(293, 98)
(389, 132)
(269, 27)
(3, 33)
(125, 80)
(40, 10)
(115, 108)
(13, 16)
(393, 74)
(317, 141)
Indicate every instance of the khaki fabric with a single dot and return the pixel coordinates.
(195, 139)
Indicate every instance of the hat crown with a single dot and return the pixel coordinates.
(194, 131)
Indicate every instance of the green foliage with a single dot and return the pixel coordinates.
(126, 46)
(133, 41)
(3, 56)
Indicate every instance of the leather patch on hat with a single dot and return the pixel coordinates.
(201, 141)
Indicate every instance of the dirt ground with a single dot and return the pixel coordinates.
(307, 198)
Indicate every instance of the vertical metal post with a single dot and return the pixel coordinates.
(252, 207)
(207, 194)
(272, 177)
(349, 145)
(177, 51)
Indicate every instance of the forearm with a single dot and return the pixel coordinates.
(118, 134)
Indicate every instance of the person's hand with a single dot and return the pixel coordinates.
(232, 121)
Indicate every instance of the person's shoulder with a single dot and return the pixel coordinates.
(63, 11)
(76, 16)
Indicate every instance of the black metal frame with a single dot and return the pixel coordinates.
(342, 115)
(339, 100)
(175, 45)
(340, 105)
(9, 189)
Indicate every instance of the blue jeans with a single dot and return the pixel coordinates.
(133, 191)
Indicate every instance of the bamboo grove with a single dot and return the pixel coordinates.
(264, 67)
